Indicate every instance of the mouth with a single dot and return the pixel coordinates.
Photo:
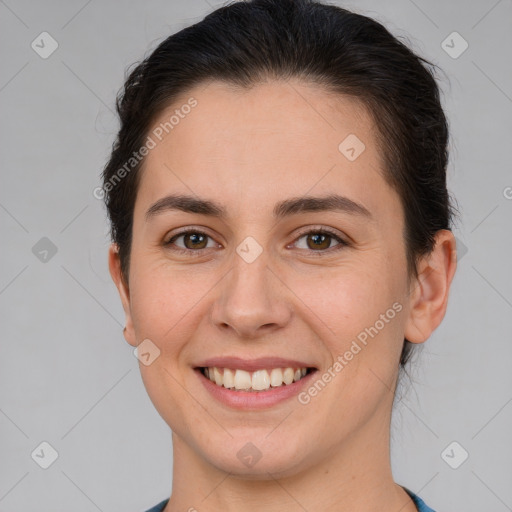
(253, 384)
(258, 381)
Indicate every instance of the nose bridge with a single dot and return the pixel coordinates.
(251, 299)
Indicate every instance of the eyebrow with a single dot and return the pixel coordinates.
(286, 208)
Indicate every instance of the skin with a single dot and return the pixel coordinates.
(247, 150)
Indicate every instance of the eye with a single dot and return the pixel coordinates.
(193, 241)
(320, 240)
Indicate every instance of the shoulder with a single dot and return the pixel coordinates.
(159, 507)
(420, 504)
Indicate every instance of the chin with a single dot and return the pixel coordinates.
(263, 459)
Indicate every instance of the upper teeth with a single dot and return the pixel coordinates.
(259, 380)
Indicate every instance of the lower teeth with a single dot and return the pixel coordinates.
(250, 390)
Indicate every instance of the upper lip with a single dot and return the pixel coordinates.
(251, 365)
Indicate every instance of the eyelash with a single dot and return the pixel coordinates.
(319, 253)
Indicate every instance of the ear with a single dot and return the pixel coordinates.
(429, 291)
(114, 266)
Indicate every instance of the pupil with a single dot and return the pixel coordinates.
(194, 238)
(318, 239)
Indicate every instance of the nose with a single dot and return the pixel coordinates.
(252, 301)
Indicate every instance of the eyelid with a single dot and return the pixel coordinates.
(342, 242)
(187, 230)
(319, 228)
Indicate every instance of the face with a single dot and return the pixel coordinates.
(268, 275)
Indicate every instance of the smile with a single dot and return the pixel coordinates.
(253, 384)
(257, 381)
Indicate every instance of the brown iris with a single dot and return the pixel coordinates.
(196, 239)
(320, 241)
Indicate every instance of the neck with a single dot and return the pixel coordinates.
(355, 476)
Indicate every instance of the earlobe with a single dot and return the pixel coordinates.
(114, 265)
(429, 292)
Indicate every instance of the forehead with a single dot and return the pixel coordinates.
(272, 139)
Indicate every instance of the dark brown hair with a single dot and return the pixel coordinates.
(247, 42)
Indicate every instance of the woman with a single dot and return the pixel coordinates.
(281, 241)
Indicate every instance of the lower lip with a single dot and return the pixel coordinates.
(254, 399)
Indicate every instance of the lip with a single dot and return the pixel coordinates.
(252, 365)
(254, 400)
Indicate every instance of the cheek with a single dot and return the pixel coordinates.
(358, 313)
(167, 303)
(347, 299)
(158, 302)
(165, 307)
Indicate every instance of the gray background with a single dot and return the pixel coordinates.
(67, 376)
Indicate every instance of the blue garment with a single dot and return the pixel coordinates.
(159, 507)
(420, 504)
